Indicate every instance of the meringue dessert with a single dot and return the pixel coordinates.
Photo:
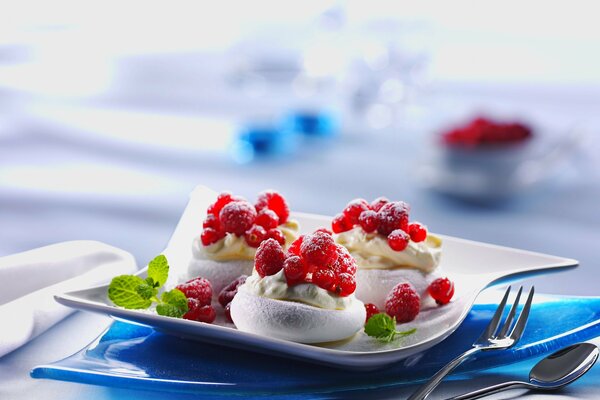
(306, 295)
(233, 230)
(388, 249)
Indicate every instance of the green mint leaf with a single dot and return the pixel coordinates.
(173, 304)
(151, 282)
(146, 291)
(158, 270)
(123, 291)
(380, 326)
(383, 327)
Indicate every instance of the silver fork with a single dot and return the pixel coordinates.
(490, 339)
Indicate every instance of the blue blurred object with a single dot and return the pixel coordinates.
(262, 141)
(310, 123)
(137, 357)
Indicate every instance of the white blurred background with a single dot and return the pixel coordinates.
(111, 112)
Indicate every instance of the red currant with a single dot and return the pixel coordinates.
(346, 284)
(353, 210)
(274, 201)
(295, 246)
(222, 200)
(277, 235)
(267, 219)
(324, 278)
(417, 232)
(255, 235)
(442, 290)
(368, 221)
(295, 270)
(340, 224)
(398, 240)
(210, 236)
(378, 203)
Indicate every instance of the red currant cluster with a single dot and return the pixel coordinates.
(232, 214)
(482, 131)
(403, 301)
(199, 294)
(313, 258)
(388, 218)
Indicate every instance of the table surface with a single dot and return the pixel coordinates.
(64, 178)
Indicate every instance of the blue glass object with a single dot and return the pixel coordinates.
(137, 357)
(261, 141)
(310, 123)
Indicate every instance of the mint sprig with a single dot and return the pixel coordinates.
(133, 292)
(383, 327)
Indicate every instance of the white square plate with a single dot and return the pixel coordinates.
(472, 265)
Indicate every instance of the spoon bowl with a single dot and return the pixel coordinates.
(551, 373)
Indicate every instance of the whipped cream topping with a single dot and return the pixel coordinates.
(276, 287)
(233, 247)
(372, 251)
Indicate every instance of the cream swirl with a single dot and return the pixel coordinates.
(233, 247)
(372, 251)
(276, 287)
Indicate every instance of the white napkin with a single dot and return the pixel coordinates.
(29, 281)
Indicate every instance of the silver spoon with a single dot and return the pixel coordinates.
(553, 372)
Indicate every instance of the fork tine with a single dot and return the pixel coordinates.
(511, 315)
(493, 325)
(522, 321)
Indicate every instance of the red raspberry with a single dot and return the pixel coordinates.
(346, 284)
(295, 270)
(403, 302)
(371, 310)
(378, 203)
(324, 278)
(229, 291)
(344, 262)
(325, 230)
(273, 201)
(417, 232)
(197, 288)
(267, 219)
(398, 240)
(237, 217)
(442, 290)
(210, 236)
(255, 235)
(277, 235)
(222, 200)
(318, 248)
(340, 224)
(269, 258)
(368, 221)
(211, 221)
(295, 246)
(199, 312)
(353, 210)
(393, 216)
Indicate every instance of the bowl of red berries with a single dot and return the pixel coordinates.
(483, 159)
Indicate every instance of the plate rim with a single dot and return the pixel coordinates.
(311, 352)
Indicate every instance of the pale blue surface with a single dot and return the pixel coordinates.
(135, 357)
